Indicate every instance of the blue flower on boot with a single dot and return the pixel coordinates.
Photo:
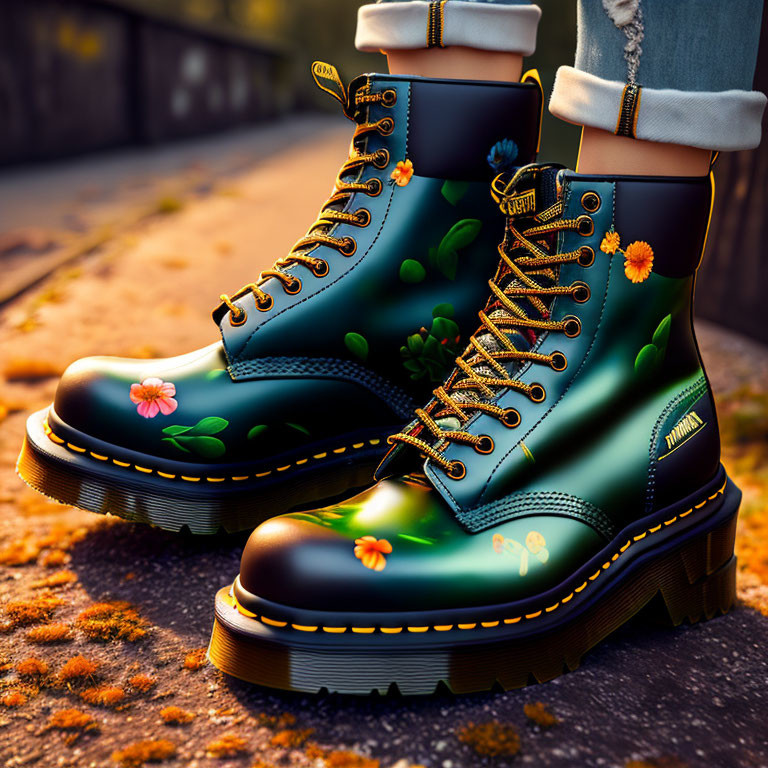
(502, 155)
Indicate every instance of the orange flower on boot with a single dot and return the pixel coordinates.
(638, 261)
(371, 551)
(610, 243)
(402, 173)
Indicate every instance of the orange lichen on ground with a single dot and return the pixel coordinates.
(228, 745)
(58, 579)
(32, 667)
(22, 369)
(493, 738)
(142, 683)
(36, 610)
(103, 696)
(77, 669)
(339, 759)
(176, 716)
(290, 738)
(20, 552)
(53, 558)
(50, 633)
(116, 620)
(195, 659)
(284, 720)
(13, 699)
(141, 752)
(539, 713)
(74, 722)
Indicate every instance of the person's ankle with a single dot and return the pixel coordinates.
(604, 153)
(457, 62)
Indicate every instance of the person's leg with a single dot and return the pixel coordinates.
(659, 85)
(461, 39)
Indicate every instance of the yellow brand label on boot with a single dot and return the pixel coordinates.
(516, 205)
(690, 425)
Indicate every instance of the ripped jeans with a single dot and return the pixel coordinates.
(676, 71)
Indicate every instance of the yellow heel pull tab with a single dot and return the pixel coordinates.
(533, 74)
(327, 79)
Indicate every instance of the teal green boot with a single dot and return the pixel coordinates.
(565, 477)
(325, 354)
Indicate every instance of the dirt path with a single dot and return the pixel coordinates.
(695, 696)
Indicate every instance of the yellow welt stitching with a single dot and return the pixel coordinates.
(282, 469)
(76, 448)
(98, 456)
(579, 589)
(489, 624)
(320, 455)
(533, 615)
(594, 576)
(606, 565)
(699, 506)
(375, 441)
(417, 629)
(357, 446)
(391, 630)
(55, 438)
(301, 461)
(263, 474)
(641, 536)
(363, 630)
(467, 626)
(335, 630)
(145, 470)
(215, 479)
(274, 623)
(339, 450)
(513, 621)
(669, 522)
(685, 514)
(625, 547)
(615, 557)
(303, 628)
(166, 475)
(443, 627)
(190, 479)
(653, 530)
(240, 477)
(121, 463)
(551, 608)
(566, 599)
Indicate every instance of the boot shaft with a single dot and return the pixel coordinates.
(620, 417)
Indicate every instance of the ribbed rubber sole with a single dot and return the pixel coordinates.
(203, 507)
(690, 582)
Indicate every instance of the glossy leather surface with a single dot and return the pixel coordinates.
(598, 447)
(286, 378)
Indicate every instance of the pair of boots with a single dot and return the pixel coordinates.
(564, 475)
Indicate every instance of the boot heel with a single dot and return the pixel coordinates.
(699, 581)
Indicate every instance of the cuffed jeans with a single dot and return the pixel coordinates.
(676, 71)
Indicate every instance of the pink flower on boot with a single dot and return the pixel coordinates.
(154, 396)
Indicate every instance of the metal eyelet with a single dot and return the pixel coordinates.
(374, 187)
(293, 287)
(590, 201)
(386, 126)
(456, 471)
(537, 393)
(320, 268)
(382, 159)
(389, 97)
(585, 225)
(572, 326)
(586, 256)
(241, 317)
(558, 361)
(347, 246)
(266, 305)
(511, 418)
(363, 216)
(486, 444)
(581, 292)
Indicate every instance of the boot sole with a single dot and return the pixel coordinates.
(174, 496)
(672, 569)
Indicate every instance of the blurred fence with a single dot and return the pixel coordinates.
(89, 74)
